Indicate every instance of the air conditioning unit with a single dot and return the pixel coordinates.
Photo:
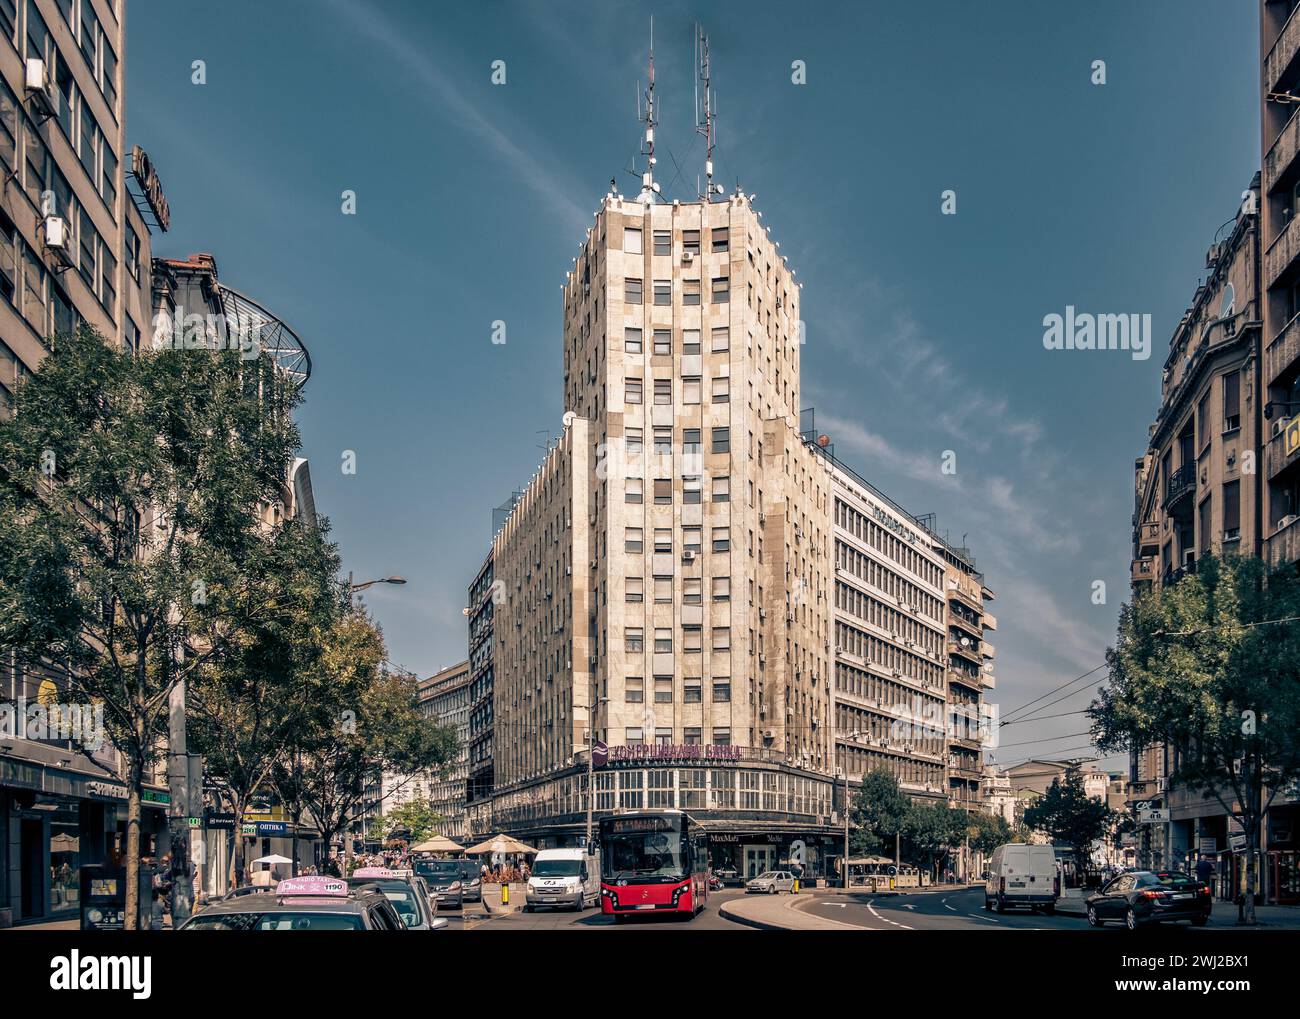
(55, 231)
(1286, 521)
(688, 256)
(688, 557)
(39, 89)
(762, 613)
(769, 734)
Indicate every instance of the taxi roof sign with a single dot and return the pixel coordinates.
(379, 872)
(314, 885)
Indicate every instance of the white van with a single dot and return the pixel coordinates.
(563, 879)
(1022, 875)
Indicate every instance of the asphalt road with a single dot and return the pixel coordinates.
(959, 910)
(591, 919)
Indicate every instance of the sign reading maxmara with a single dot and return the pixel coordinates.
(708, 605)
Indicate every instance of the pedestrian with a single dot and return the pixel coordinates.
(156, 914)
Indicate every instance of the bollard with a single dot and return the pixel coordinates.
(795, 889)
(505, 893)
(891, 883)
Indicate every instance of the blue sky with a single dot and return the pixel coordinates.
(924, 331)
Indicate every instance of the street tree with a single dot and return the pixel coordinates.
(1210, 666)
(245, 708)
(129, 486)
(932, 831)
(415, 817)
(877, 815)
(367, 721)
(1070, 817)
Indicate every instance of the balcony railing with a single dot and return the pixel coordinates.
(1282, 154)
(1284, 544)
(1282, 252)
(1144, 569)
(1283, 52)
(1182, 483)
(1148, 538)
(1276, 458)
(1282, 352)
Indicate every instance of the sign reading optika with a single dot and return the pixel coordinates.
(147, 177)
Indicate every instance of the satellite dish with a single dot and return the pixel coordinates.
(569, 418)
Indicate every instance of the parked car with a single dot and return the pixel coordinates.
(1022, 875)
(568, 878)
(771, 882)
(444, 879)
(1140, 897)
(407, 892)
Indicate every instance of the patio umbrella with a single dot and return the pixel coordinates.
(500, 843)
(438, 844)
(273, 859)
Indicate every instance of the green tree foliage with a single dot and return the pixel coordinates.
(416, 818)
(130, 544)
(1210, 667)
(877, 815)
(1070, 817)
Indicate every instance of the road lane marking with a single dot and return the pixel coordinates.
(977, 916)
(872, 908)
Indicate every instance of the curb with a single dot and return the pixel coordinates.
(791, 903)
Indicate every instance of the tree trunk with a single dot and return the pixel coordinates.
(135, 773)
(237, 856)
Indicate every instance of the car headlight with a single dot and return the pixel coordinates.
(454, 886)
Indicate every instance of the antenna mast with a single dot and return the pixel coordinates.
(704, 119)
(648, 186)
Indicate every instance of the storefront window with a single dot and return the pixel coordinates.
(65, 859)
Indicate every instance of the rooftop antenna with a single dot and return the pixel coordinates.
(648, 186)
(705, 113)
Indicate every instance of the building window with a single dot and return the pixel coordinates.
(663, 392)
(690, 341)
(722, 440)
(663, 539)
(722, 638)
(692, 640)
(663, 294)
(663, 440)
(691, 390)
(721, 339)
(632, 340)
(632, 291)
(634, 639)
(692, 539)
(663, 242)
(663, 492)
(632, 440)
(663, 689)
(632, 390)
(635, 587)
(634, 690)
(722, 390)
(721, 588)
(663, 641)
(720, 238)
(1232, 511)
(691, 242)
(691, 492)
(721, 490)
(635, 736)
(722, 737)
(690, 292)
(692, 691)
(663, 738)
(1231, 401)
(663, 342)
(722, 691)
(721, 539)
(691, 591)
(131, 252)
(633, 540)
(721, 289)
(663, 590)
(632, 242)
(632, 491)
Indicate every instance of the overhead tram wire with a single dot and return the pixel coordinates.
(1016, 711)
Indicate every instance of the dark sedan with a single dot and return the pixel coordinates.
(1140, 897)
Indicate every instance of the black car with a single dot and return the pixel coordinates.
(1139, 897)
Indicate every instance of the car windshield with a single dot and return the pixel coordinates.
(557, 868)
(400, 895)
(276, 922)
(440, 871)
(768, 875)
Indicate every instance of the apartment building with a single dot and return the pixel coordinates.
(968, 673)
(482, 658)
(445, 697)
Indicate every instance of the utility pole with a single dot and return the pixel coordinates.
(591, 763)
(846, 828)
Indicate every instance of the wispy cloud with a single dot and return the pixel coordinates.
(510, 142)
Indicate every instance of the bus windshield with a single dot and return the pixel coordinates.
(656, 855)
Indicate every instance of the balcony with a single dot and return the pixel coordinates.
(1282, 351)
(970, 626)
(1282, 154)
(988, 650)
(971, 679)
(1149, 538)
(1282, 253)
(1181, 489)
(990, 621)
(1283, 450)
(1284, 544)
(1144, 570)
(988, 680)
(1282, 54)
(970, 652)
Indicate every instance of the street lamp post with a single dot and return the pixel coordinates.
(846, 827)
(591, 765)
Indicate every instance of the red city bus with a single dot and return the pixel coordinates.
(653, 861)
